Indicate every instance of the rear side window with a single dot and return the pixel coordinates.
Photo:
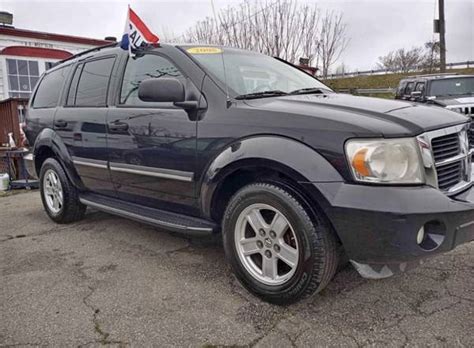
(409, 88)
(420, 87)
(401, 88)
(47, 95)
(90, 83)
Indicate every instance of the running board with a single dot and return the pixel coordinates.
(156, 217)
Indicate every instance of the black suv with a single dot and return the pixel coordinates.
(454, 92)
(202, 140)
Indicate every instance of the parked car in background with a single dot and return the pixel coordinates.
(454, 92)
(206, 139)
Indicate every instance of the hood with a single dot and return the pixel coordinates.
(454, 100)
(376, 116)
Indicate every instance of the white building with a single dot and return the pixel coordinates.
(26, 54)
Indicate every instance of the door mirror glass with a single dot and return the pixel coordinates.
(161, 90)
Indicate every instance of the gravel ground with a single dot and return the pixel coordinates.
(106, 280)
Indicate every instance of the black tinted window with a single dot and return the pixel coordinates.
(71, 96)
(47, 95)
(142, 68)
(93, 83)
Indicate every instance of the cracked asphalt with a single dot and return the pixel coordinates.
(110, 281)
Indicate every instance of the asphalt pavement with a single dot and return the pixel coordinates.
(110, 281)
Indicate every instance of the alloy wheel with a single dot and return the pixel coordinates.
(53, 191)
(266, 244)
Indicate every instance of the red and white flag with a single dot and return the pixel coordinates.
(136, 33)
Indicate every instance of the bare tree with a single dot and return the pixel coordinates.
(432, 56)
(416, 58)
(283, 28)
(333, 40)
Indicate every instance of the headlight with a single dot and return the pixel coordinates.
(387, 161)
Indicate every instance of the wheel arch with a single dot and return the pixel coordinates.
(264, 158)
(49, 144)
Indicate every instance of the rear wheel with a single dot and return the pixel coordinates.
(276, 250)
(60, 198)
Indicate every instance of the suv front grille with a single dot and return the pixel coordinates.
(450, 150)
(468, 110)
(449, 175)
(445, 147)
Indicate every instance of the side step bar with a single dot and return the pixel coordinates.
(159, 218)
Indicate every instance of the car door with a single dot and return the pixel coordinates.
(152, 146)
(81, 123)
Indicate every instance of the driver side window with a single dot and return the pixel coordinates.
(141, 68)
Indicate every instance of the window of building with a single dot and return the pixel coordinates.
(47, 95)
(142, 68)
(93, 80)
(22, 77)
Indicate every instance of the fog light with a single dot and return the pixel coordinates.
(420, 235)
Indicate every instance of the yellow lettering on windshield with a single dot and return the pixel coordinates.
(204, 50)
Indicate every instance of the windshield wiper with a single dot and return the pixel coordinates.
(309, 90)
(263, 94)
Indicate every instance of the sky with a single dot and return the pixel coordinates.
(374, 27)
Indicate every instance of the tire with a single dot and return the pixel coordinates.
(312, 246)
(69, 208)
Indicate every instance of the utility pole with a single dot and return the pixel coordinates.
(442, 39)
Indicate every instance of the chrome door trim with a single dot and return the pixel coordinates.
(150, 171)
(88, 162)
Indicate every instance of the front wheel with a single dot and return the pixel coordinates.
(60, 198)
(276, 250)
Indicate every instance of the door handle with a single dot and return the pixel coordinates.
(60, 124)
(117, 127)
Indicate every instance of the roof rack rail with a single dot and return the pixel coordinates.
(112, 44)
(435, 74)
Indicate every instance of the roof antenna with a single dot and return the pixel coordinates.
(228, 100)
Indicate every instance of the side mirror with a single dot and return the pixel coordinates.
(415, 95)
(161, 90)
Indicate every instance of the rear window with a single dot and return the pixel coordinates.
(49, 89)
(92, 80)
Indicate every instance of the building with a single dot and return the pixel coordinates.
(26, 54)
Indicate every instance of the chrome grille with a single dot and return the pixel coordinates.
(449, 175)
(446, 156)
(445, 147)
(463, 109)
(468, 110)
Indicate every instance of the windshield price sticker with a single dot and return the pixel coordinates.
(204, 50)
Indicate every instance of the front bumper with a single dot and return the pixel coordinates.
(378, 225)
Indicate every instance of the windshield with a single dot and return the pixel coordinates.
(452, 86)
(249, 72)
